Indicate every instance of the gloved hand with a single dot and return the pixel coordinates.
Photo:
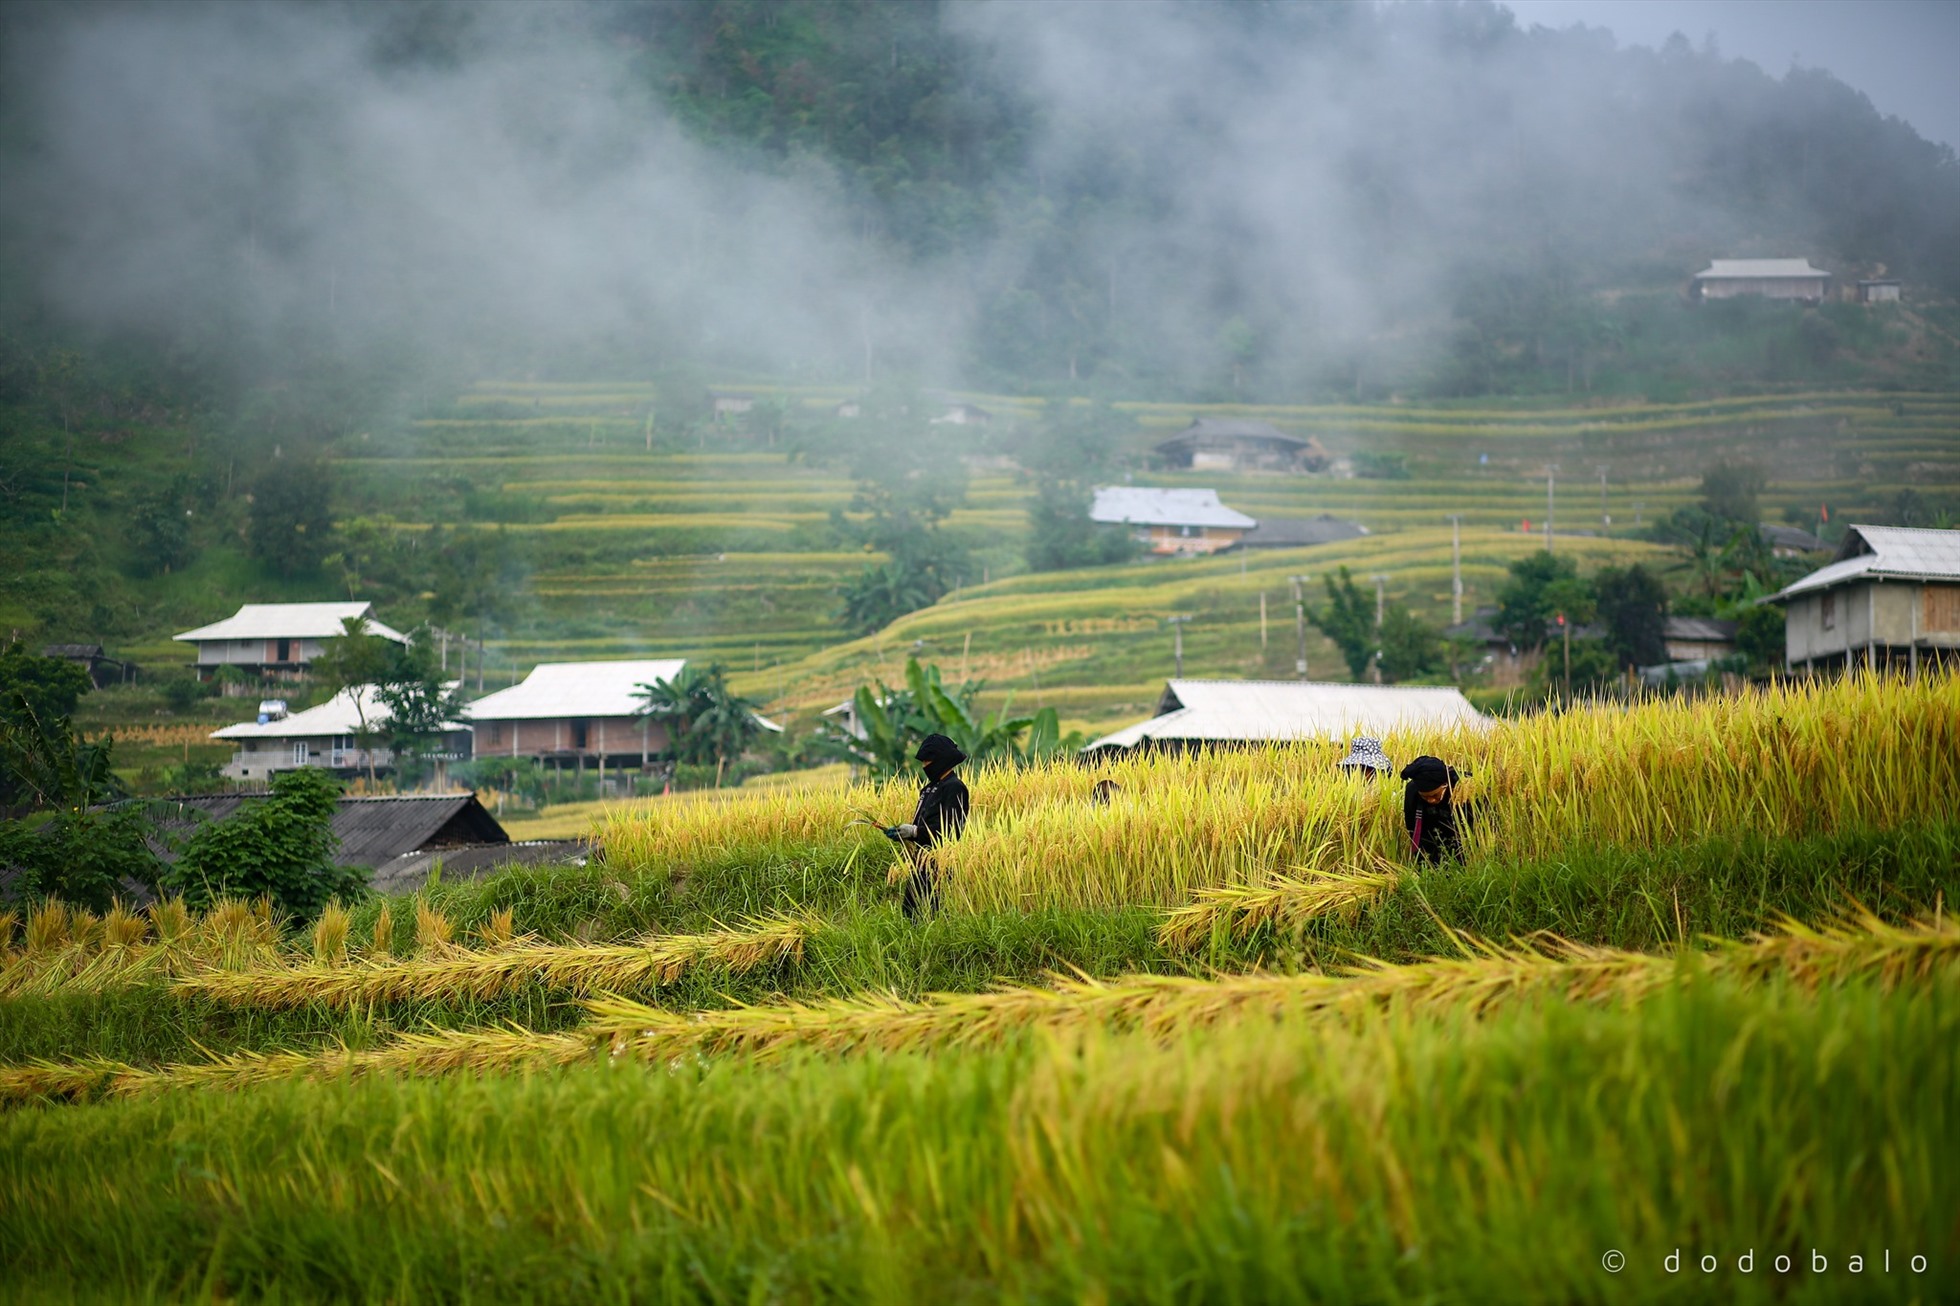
(908, 832)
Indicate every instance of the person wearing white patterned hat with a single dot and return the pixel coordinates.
(1366, 755)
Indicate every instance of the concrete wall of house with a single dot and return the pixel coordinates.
(256, 652)
(617, 737)
(1688, 650)
(1191, 539)
(261, 759)
(1766, 287)
(1889, 614)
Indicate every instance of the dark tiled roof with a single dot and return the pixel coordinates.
(1294, 533)
(372, 831)
(1238, 428)
(471, 862)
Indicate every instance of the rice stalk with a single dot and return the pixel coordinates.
(1858, 948)
(382, 942)
(499, 929)
(1861, 947)
(457, 974)
(170, 920)
(1286, 901)
(47, 928)
(330, 935)
(434, 932)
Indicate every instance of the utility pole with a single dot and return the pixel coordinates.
(1551, 476)
(1456, 569)
(1262, 621)
(1605, 518)
(1177, 637)
(1300, 624)
(1381, 596)
(1566, 627)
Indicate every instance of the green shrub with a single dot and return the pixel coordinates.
(281, 846)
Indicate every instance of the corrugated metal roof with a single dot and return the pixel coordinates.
(472, 862)
(291, 621)
(336, 716)
(372, 831)
(1138, 505)
(1710, 629)
(1885, 553)
(576, 689)
(1763, 269)
(1249, 711)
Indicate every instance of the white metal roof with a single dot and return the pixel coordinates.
(1140, 505)
(576, 689)
(1760, 269)
(291, 621)
(1228, 711)
(336, 716)
(1886, 553)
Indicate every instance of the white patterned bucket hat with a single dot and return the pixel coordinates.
(1367, 753)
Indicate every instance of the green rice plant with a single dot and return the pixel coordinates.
(1410, 1157)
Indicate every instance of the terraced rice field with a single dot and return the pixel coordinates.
(723, 551)
(1693, 992)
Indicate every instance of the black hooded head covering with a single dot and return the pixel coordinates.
(1426, 772)
(938, 754)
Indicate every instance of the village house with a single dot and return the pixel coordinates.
(576, 714)
(1197, 714)
(1790, 541)
(1890, 598)
(729, 404)
(329, 737)
(102, 669)
(963, 415)
(277, 639)
(1171, 521)
(1235, 444)
(1880, 291)
(1767, 278)
(1697, 639)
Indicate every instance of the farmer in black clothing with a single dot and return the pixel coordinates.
(941, 815)
(1434, 819)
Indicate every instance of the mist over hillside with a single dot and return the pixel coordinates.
(1248, 199)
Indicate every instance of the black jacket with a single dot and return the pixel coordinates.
(942, 810)
(1435, 829)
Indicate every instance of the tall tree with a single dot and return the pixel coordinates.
(1632, 605)
(706, 721)
(354, 662)
(1348, 618)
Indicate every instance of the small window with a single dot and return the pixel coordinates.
(300, 752)
(578, 733)
(497, 732)
(1828, 604)
(285, 650)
